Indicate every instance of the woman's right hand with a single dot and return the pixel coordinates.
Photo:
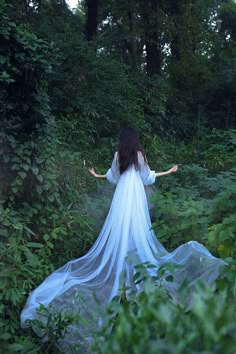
(92, 172)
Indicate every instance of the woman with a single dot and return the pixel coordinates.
(126, 239)
(130, 153)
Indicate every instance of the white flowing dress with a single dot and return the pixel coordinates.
(87, 284)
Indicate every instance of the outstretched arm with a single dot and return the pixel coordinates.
(171, 170)
(148, 176)
(93, 173)
(112, 175)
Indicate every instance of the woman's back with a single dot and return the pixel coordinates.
(147, 175)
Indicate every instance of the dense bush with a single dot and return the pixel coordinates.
(200, 207)
(25, 64)
(149, 322)
(46, 221)
(37, 233)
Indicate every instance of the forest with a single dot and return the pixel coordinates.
(69, 80)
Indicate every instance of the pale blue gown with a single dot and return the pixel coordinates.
(85, 285)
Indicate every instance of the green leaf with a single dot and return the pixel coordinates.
(28, 230)
(51, 198)
(35, 170)
(25, 167)
(15, 347)
(2, 59)
(6, 77)
(39, 178)
(169, 278)
(136, 276)
(34, 244)
(46, 237)
(4, 232)
(22, 174)
(6, 158)
(14, 190)
(5, 336)
(39, 189)
(50, 244)
(15, 167)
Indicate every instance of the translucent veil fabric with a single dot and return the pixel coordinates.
(95, 277)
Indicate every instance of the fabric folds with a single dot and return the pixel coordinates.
(87, 284)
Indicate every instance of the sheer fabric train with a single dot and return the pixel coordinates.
(127, 230)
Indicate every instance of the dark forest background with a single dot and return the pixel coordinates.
(69, 80)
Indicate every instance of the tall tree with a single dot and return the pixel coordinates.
(92, 18)
(133, 35)
(222, 106)
(151, 19)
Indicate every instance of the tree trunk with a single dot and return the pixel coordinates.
(175, 10)
(153, 57)
(92, 18)
(152, 37)
(132, 44)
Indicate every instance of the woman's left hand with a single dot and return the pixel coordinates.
(173, 169)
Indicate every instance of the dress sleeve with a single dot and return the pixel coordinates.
(113, 174)
(148, 176)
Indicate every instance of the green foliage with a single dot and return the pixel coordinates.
(201, 208)
(48, 220)
(218, 150)
(109, 85)
(222, 229)
(55, 328)
(39, 222)
(46, 195)
(149, 322)
(23, 264)
(24, 63)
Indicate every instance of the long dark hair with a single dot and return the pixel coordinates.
(128, 148)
